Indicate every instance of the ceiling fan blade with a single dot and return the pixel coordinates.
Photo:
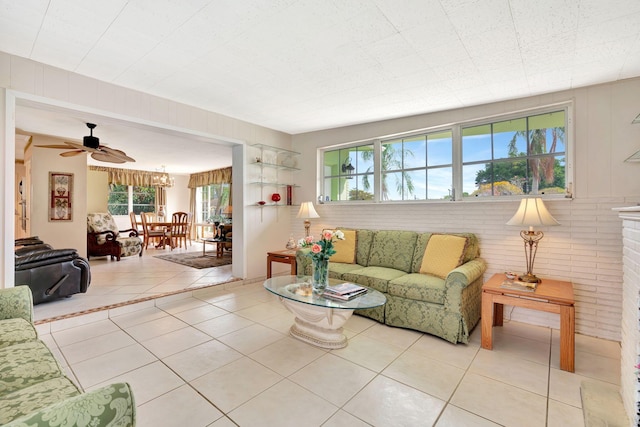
(104, 157)
(116, 153)
(59, 147)
(71, 153)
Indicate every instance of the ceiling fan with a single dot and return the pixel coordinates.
(91, 144)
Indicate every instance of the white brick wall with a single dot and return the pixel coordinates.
(586, 248)
(630, 316)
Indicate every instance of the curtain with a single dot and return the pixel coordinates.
(128, 176)
(217, 176)
(201, 179)
(192, 209)
(161, 199)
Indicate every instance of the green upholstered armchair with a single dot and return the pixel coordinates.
(34, 391)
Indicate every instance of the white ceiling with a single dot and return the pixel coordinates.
(304, 65)
(152, 148)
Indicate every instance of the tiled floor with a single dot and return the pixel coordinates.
(222, 356)
(131, 278)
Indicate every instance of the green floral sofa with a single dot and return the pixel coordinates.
(430, 287)
(34, 390)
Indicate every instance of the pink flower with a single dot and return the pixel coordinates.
(309, 239)
(316, 248)
(327, 234)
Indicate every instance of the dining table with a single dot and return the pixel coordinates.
(161, 225)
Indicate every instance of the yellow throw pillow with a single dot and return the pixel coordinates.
(345, 249)
(442, 254)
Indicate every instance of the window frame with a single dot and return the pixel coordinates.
(130, 203)
(218, 214)
(457, 161)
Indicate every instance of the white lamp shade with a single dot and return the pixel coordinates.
(532, 212)
(307, 211)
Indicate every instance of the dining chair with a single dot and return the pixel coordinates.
(134, 223)
(178, 230)
(150, 232)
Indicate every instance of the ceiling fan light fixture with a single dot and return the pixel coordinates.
(90, 140)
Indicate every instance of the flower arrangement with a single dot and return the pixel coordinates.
(320, 253)
(323, 248)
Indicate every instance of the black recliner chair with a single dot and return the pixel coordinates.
(28, 241)
(51, 273)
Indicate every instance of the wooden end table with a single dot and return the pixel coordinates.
(286, 257)
(206, 240)
(553, 296)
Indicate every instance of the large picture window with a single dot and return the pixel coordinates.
(517, 155)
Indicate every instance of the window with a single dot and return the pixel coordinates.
(418, 167)
(512, 156)
(213, 203)
(519, 156)
(348, 173)
(126, 198)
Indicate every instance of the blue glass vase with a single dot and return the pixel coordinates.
(320, 278)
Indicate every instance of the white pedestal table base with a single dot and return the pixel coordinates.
(319, 326)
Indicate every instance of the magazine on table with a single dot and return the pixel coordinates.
(517, 285)
(345, 288)
(346, 297)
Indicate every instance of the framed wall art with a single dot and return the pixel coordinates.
(60, 196)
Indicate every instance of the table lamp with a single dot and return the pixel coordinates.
(532, 212)
(306, 212)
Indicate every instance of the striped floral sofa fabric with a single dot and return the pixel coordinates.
(390, 261)
(34, 391)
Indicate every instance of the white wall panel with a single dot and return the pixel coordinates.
(55, 83)
(83, 90)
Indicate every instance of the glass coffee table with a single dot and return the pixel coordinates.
(319, 320)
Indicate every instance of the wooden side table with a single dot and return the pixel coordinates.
(553, 296)
(206, 240)
(285, 257)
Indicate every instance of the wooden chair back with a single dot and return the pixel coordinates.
(134, 222)
(178, 230)
(149, 232)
